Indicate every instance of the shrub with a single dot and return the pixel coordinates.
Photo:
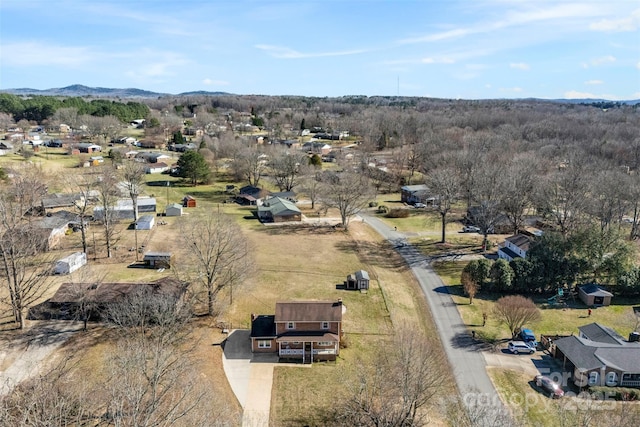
(398, 213)
(345, 342)
(383, 209)
(373, 204)
(617, 393)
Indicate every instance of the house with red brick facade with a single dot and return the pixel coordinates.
(308, 331)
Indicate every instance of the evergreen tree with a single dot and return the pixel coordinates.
(502, 276)
(193, 166)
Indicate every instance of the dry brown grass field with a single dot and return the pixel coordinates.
(302, 262)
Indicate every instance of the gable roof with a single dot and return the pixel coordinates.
(520, 240)
(596, 332)
(587, 354)
(361, 274)
(595, 290)
(279, 207)
(414, 188)
(309, 311)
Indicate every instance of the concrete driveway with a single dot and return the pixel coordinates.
(25, 355)
(539, 362)
(250, 377)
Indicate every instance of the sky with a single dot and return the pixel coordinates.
(466, 49)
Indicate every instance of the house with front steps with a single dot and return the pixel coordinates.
(307, 331)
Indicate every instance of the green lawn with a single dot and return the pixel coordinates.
(555, 320)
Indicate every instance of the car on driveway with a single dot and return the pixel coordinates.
(470, 229)
(549, 386)
(528, 337)
(419, 205)
(517, 347)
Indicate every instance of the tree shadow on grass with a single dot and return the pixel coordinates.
(464, 340)
(301, 229)
(376, 253)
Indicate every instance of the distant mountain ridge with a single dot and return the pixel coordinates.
(101, 92)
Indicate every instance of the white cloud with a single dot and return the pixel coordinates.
(154, 65)
(593, 82)
(519, 66)
(603, 60)
(629, 23)
(441, 60)
(211, 82)
(575, 94)
(445, 35)
(638, 65)
(288, 53)
(35, 54)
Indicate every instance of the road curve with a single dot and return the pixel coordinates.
(467, 362)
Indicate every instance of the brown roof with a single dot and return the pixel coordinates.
(112, 292)
(309, 311)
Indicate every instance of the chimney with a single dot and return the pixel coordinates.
(339, 301)
(253, 317)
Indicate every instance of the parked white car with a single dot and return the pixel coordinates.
(470, 229)
(517, 347)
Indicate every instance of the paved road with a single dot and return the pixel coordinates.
(467, 361)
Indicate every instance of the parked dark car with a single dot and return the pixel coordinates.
(549, 386)
(529, 337)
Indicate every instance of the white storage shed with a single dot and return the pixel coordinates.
(145, 222)
(70, 263)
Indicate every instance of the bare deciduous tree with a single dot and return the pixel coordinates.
(107, 197)
(48, 400)
(349, 192)
(286, 169)
(250, 165)
(486, 194)
(563, 194)
(515, 311)
(133, 178)
(469, 285)
(311, 186)
(219, 253)
(474, 410)
(445, 185)
(395, 389)
(23, 268)
(151, 373)
(516, 187)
